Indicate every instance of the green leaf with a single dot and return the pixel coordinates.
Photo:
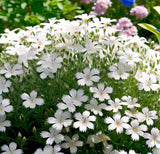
(80, 11)
(23, 5)
(41, 17)
(157, 8)
(60, 6)
(4, 18)
(152, 29)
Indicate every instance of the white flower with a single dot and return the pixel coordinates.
(147, 116)
(84, 121)
(84, 17)
(135, 130)
(41, 40)
(119, 71)
(72, 143)
(74, 99)
(91, 47)
(95, 108)
(132, 113)
(31, 101)
(79, 48)
(88, 77)
(155, 151)
(130, 152)
(11, 149)
(148, 82)
(68, 104)
(108, 149)
(4, 85)
(4, 123)
(49, 150)
(111, 41)
(117, 122)
(128, 56)
(61, 119)
(52, 136)
(45, 72)
(131, 103)
(78, 96)
(5, 106)
(101, 93)
(114, 106)
(99, 137)
(153, 138)
(11, 70)
(52, 61)
(24, 53)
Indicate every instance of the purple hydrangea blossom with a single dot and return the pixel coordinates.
(125, 25)
(86, 1)
(130, 31)
(140, 12)
(101, 6)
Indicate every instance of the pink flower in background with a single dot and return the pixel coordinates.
(139, 11)
(125, 25)
(130, 31)
(101, 6)
(86, 1)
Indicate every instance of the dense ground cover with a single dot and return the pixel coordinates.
(75, 86)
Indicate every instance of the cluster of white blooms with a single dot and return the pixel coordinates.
(101, 60)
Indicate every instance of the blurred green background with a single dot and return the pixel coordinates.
(21, 13)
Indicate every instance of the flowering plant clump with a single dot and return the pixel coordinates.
(74, 86)
(139, 11)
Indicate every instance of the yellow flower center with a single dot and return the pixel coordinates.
(85, 20)
(88, 78)
(90, 49)
(147, 117)
(129, 58)
(154, 138)
(53, 65)
(117, 123)
(120, 73)
(106, 24)
(84, 121)
(148, 84)
(101, 93)
(136, 130)
(104, 140)
(60, 121)
(135, 45)
(39, 44)
(11, 71)
(72, 143)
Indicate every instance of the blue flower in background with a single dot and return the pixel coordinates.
(128, 3)
(158, 29)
